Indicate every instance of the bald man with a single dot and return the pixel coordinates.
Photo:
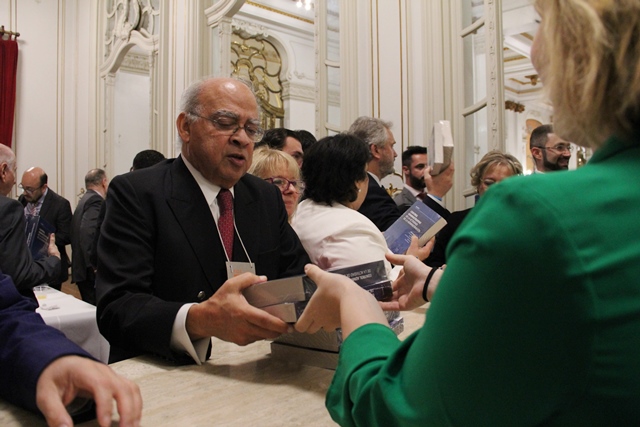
(169, 266)
(38, 199)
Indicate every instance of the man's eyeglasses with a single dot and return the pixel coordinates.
(229, 126)
(559, 148)
(29, 189)
(283, 184)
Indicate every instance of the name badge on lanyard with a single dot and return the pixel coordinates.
(235, 268)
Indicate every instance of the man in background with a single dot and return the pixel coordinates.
(549, 151)
(38, 199)
(284, 140)
(84, 225)
(15, 257)
(378, 206)
(420, 184)
(146, 158)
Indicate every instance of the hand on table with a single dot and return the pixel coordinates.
(69, 377)
(227, 315)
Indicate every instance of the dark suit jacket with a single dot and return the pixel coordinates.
(83, 226)
(405, 199)
(56, 210)
(438, 255)
(28, 345)
(159, 249)
(15, 258)
(378, 206)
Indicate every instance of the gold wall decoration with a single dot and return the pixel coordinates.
(256, 60)
(514, 106)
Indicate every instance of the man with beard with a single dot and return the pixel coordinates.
(378, 206)
(549, 151)
(419, 184)
(38, 199)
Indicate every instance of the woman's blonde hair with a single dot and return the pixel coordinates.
(590, 66)
(491, 159)
(266, 161)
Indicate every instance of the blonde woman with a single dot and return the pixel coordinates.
(494, 167)
(281, 170)
(536, 320)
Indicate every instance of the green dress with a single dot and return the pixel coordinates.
(536, 319)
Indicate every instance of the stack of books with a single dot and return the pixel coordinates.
(287, 298)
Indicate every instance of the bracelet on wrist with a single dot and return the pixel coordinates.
(426, 283)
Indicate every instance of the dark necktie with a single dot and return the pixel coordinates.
(421, 195)
(225, 222)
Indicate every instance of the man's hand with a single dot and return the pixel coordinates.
(408, 287)
(73, 376)
(52, 249)
(227, 315)
(440, 184)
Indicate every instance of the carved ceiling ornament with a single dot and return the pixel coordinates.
(248, 30)
(129, 22)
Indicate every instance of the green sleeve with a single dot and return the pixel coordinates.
(506, 341)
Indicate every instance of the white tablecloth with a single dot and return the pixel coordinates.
(76, 319)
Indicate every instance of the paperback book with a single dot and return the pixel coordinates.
(38, 232)
(440, 147)
(290, 289)
(419, 220)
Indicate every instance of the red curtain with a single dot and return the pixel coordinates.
(8, 68)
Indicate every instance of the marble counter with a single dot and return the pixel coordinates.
(238, 386)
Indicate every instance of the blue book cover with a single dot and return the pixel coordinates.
(419, 220)
(38, 232)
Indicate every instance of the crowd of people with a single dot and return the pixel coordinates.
(533, 303)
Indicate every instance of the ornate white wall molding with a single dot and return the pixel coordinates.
(222, 9)
(249, 29)
(136, 63)
(128, 23)
(495, 71)
(298, 92)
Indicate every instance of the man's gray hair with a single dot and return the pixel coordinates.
(7, 156)
(371, 130)
(94, 178)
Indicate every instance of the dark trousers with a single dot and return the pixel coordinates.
(87, 287)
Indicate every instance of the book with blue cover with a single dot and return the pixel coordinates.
(38, 232)
(419, 220)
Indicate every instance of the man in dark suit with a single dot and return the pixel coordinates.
(43, 371)
(162, 277)
(83, 226)
(420, 184)
(378, 206)
(39, 199)
(15, 257)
